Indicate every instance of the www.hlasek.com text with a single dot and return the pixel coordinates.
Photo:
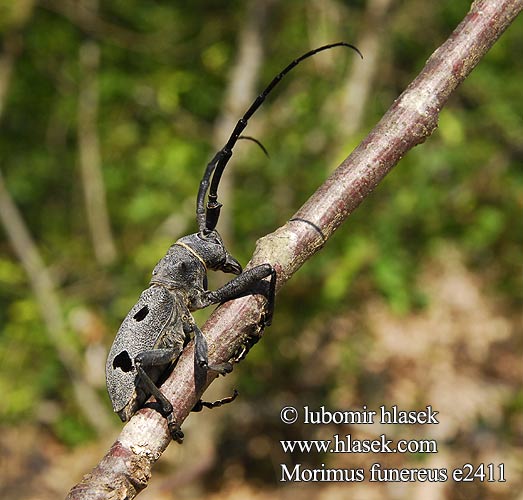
(347, 444)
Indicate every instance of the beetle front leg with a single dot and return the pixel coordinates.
(243, 284)
(159, 357)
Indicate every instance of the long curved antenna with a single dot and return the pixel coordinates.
(207, 222)
(256, 141)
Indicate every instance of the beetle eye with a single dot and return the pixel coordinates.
(123, 361)
(211, 237)
(141, 314)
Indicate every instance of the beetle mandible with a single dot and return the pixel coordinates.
(155, 331)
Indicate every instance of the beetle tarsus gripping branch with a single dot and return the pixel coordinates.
(154, 332)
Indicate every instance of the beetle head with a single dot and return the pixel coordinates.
(210, 249)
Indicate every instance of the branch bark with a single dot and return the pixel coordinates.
(126, 468)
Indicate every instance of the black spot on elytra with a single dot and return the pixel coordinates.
(141, 314)
(123, 361)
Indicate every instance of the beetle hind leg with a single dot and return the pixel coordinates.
(159, 357)
(174, 428)
(220, 402)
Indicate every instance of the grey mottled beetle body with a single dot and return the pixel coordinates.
(156, 329)
(153, 323)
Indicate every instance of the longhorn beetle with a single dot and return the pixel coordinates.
(156, 329)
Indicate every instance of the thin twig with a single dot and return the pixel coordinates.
(26, 250)
(89, 147)
(241, 89)
(126, 468)
(97, 27)
(360, 82)
(51, 310)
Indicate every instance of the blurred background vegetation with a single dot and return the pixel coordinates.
(109, 112)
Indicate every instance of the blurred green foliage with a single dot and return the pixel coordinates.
(161, 89)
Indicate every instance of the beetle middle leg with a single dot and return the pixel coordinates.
(201, 354)
(202, 361)
(159, 357)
